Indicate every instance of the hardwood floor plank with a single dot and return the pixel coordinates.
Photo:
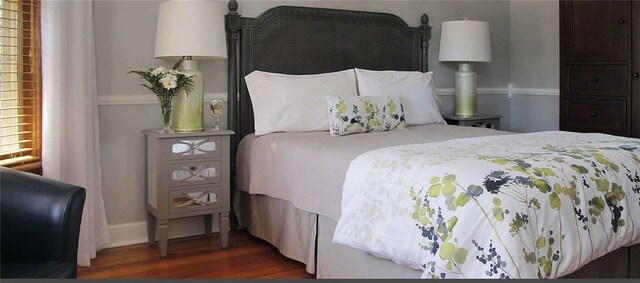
(196, 257)
(292, 273)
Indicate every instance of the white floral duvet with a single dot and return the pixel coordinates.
(537, 205)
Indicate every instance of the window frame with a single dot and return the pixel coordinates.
(29, 86)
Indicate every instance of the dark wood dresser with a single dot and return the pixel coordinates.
(600, 66)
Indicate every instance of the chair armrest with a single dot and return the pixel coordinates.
(40, 218)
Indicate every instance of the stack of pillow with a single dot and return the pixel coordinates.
(345, 102)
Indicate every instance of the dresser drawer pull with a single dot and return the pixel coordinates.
(594, 114)
(195, 199)
(594, 80)
(621, 21)
(193, 147)
(636, 75)
(194, 174)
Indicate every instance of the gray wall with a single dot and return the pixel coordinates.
(125, 37)
(535, 57)
(535, 44)
(125, 33)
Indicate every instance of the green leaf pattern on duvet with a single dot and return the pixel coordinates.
(570, 176)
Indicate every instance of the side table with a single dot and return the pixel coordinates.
(187, 175)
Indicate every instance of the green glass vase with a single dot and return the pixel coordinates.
(165, 112)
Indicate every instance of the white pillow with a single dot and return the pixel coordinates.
(295, 103)
(363, 114)
(417, 89)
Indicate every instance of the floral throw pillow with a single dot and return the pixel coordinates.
(363, 114)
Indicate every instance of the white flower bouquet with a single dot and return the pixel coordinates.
(166, 83)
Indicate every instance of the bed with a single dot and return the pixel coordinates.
(301, 222)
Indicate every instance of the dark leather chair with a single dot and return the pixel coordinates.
(40, 226)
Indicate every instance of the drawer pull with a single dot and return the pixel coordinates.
(594, 114)
(594, 80)
(193, 147)
(636, 75)
(195, 199)
(194, 174)
(621, 21)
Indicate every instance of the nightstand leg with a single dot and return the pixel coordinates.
(207, 224)
(151, 228)
(224, 229)
(163, 231)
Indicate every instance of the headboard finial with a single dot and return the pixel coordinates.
(424, 19)
(233, 7)
(425, 29)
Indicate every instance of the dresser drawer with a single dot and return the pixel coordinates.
(597, 116)
(608, 80)
(194, 173)
(195, 199)
(192, 148)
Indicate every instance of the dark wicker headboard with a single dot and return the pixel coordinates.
(301, 40)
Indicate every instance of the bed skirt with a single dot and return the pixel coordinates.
(276, 221)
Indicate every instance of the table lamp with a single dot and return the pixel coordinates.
(465, 41)
(193, 29)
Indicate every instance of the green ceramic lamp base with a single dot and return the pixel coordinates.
(187, 108)
(466, 96)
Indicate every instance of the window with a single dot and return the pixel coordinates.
(20, 84)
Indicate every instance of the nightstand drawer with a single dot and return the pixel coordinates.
(193, 147)
(195, 199)
(598, 80)
(604, 116)
(478, 120)
(194, 173)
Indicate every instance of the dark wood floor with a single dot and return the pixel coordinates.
(196, 257)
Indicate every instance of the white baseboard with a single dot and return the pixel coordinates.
(136, 233)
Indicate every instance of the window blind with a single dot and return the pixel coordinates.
(20, 83)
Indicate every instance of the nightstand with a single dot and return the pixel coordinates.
(187, 175)
(478, 121)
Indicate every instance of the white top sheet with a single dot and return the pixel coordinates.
(308, 169)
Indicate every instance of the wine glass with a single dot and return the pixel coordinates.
(216, 105)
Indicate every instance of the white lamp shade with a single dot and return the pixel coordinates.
(191, 28)
(465, 41)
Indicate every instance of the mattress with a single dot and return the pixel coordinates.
(308, 169)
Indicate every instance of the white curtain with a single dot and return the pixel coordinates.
(70, 141)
